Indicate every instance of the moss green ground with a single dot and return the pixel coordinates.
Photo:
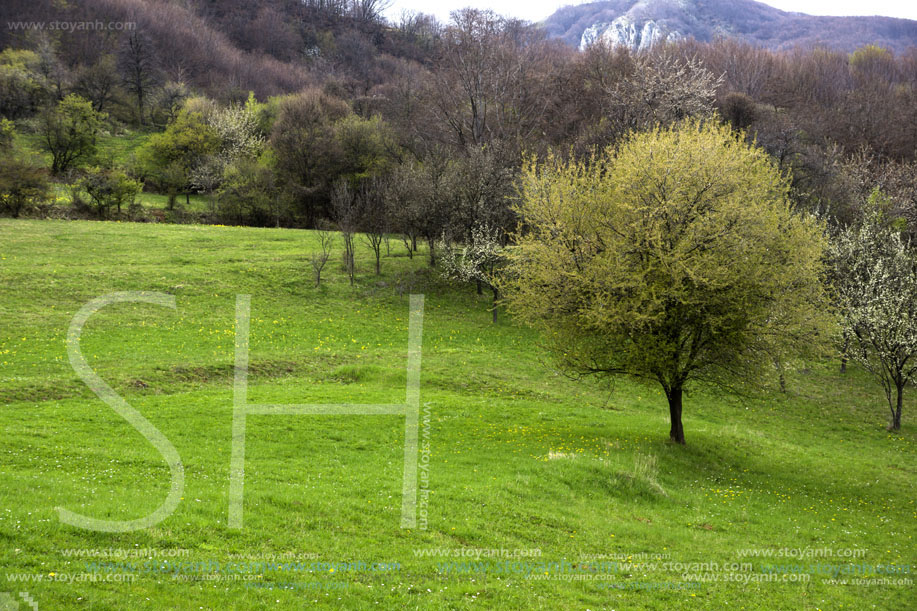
(521, 458)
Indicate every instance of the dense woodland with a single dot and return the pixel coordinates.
(270, 108)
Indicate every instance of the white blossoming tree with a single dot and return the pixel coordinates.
(480, 260)
(662, 88)
(240, 139)
(237, 127)
(875, 283)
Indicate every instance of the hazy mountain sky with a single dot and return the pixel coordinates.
(536, 10)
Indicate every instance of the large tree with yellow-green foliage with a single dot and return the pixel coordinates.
(674, 257)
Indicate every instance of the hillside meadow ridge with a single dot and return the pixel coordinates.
(307, 306)
(771, 490)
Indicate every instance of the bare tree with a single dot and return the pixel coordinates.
(330, 7)
(139, 70)
(98, 82)
(344, 210)
(168, 102)
(50, 66)
(320, 257)
(369, 10)
(487, 83)
(866, 171)
(746, 69)
(404, 192)
(443, 189)
(372, 217)
(422, 198)
(484, 187)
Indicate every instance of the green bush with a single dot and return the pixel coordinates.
(109, 188)
(23, 185)
(69, 131)
(23, 89)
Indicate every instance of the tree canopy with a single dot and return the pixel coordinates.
(674, 257)
(69, 132)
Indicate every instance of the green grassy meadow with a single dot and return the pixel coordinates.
(521, 458)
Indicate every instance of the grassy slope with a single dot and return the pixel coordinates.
(116, 150)
(112, 148)
(812, 468)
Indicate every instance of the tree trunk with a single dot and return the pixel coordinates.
(676, 432)
(414, 243)
(496, 297)
(844, 353)
(187, 200)
(896, 413)
(480, 288)
(432, 243)
(378, 262)
(781, 375)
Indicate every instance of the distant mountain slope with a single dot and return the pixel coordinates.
(640, 23)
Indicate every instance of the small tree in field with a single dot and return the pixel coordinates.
(344, 210)
(321, 256)
(480, 260)
(109, 188)
(405, 193)
(23, 185)
(373, 217)
(875, 283)
(421, 200)
(675, 258)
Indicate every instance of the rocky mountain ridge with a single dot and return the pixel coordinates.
(640, 24)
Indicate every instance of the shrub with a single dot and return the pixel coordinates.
(23, 185)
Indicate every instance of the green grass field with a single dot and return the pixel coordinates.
(521, 458)
(198, 203)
